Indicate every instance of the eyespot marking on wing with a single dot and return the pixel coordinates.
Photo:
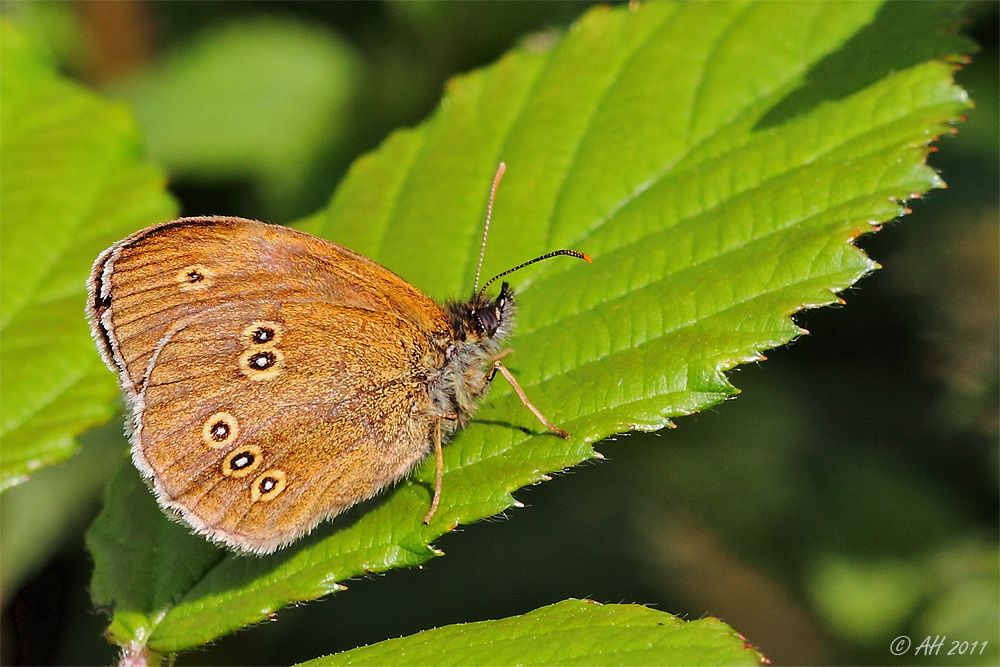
(242, 461)
(268, 485)
(220, 430)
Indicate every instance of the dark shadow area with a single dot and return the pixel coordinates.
(869, 57)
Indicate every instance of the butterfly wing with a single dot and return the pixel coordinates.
(274, 378)
(142, 285)
(254, 443)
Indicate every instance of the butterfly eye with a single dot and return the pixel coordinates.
(242, 461)
(219, 430)
(268, 485)
(488, 319)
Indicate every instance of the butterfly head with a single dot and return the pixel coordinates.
(483, 318)
(490, 315)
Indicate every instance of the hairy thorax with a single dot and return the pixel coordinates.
(479, 329)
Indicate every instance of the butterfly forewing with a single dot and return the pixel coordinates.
(146, 284)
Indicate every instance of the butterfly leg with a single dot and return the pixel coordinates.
(439, 468)
(497, 366)
(496, 363)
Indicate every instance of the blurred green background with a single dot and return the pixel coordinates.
(871, 445)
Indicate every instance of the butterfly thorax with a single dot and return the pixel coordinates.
(479, 328)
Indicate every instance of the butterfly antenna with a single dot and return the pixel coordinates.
(486, 228)
(554, 253)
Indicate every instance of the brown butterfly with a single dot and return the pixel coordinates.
(275, 378)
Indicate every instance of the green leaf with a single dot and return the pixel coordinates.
(672, 142)
(147, 566)
(572, 632)
(72, 182)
